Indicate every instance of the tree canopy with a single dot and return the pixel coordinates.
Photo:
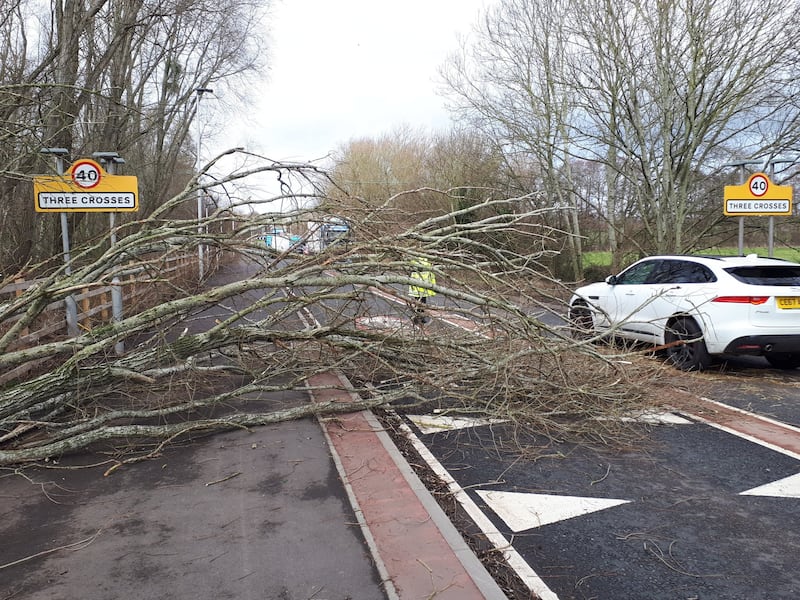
(106, 76)
(660, 97)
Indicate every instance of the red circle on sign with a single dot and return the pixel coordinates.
(85, 174)
(758, 184)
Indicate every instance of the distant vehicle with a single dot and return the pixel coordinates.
(282, 241)
(698, 308)
(326, 233)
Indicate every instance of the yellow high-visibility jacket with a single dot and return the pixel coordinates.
(422, 272)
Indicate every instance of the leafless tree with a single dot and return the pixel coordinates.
(111, 76)
(410, 170)
(217, 356)
(662, 95)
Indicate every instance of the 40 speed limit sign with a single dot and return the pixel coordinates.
(86, 173)
(86, 187)
(758, 197)
(758, 184)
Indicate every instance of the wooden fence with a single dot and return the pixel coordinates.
(94, 306)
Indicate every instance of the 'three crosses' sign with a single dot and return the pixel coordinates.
(86, 187)
(758, 197)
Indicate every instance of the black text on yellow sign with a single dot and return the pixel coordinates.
(86, 187)
(758, 197)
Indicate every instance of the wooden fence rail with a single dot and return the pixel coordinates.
(139, 289)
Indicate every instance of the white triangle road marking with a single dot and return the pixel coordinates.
(433, 423)
(652, 418)
(788, 487)
(522, 511)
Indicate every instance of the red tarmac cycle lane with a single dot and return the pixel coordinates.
(763, 430)
(418, 550)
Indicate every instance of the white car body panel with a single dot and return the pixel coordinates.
(641, 311)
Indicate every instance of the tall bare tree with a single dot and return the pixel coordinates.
(395, 166)
(112, 76)
(662, 94)
(510, 85)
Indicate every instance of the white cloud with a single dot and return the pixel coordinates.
(345, 69)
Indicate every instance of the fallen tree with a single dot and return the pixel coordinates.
(239, 350)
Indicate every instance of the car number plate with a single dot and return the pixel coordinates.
(788, 302)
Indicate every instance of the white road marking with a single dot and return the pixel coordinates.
(531, 579)
(522, 511)
(383, 322)
(434, 424)
(652, 417)
(788, 487)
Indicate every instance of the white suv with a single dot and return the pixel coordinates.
(695, 307)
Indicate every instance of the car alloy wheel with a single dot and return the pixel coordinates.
(686, 348)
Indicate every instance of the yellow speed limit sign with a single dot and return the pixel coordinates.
(86, 187)
(758, 197)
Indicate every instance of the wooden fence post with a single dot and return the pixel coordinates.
(86, 306)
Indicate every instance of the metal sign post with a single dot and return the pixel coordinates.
(111, 160)
(69, 302)
(772, 164)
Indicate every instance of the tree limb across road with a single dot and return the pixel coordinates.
(239, 350)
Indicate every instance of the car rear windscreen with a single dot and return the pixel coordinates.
(767, 275)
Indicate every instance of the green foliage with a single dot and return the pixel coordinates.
(596, 272)
(782, 252)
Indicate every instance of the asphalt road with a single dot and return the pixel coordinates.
(701, 509)
(696, 511)
(244, 515)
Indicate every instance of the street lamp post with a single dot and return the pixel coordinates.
(200, 249)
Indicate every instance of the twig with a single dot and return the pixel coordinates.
(83, 543)
(231, 476)
(608, 470)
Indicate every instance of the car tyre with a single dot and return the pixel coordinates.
(784, 361)
(581, 322)
(686, 348)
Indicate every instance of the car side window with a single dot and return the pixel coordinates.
(638, 274)
(681, 271)
(697, 273)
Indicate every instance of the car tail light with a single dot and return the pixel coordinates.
(755, 300)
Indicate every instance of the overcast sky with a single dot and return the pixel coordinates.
(346, 69)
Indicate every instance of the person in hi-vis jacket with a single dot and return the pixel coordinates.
(421, 270)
